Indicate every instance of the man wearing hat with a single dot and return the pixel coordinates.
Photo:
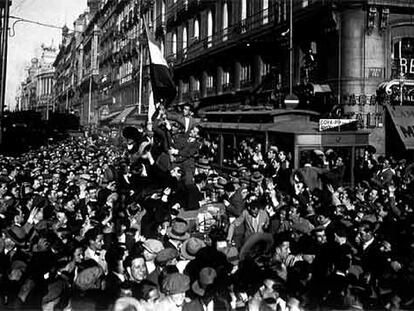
(177, 234)
(188, 251)
(254, 218)
(151, 248)
(204, 291)
(174, 286)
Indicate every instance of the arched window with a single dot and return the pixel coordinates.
(225, 21)
(210, 28)
(196, 29)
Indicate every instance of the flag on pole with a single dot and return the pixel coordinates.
(163, 86)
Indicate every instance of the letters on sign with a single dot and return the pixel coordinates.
(326, 124)
(407, 65)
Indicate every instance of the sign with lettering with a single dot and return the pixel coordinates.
(403, 118)
(375, 72)
(326, 124)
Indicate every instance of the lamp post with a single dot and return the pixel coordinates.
(4, 28)
(402, 83)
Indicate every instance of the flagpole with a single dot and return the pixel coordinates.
(140, 80)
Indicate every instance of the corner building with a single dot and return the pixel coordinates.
(231, 55)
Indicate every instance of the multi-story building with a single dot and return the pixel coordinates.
(67, 67)
(119, 60)
(230, 54)
(36, 91)
(45, 79)
(28, 87)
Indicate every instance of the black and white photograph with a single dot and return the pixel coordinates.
(206, 155)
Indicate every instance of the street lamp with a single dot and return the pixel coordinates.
(402, 83)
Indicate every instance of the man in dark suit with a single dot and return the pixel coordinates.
(187, 151)
(193, 193)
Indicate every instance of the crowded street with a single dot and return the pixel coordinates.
(90, 226)
(188, 155)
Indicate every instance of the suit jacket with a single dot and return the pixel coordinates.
(248, 221)
(311, 176)
(194, 196)
(383, 177)
(193, 305)
(181, 120)
(237, 204)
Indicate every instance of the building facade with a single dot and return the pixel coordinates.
(36, 91)
(228, 54)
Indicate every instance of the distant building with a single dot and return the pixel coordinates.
(36, 91)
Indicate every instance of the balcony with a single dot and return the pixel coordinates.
(183, 9)
(232, 35)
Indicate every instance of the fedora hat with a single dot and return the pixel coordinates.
(190, 248)
(203, 163)
(178, 230)
(257, 177)
(206, 277)
(255, 244)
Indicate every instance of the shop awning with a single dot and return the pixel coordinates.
(403, 119)
(321, 88)
(123, 115)
(111, 115)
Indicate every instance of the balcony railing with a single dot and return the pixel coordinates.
(232, 34)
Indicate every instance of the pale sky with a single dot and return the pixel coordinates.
(28, 37)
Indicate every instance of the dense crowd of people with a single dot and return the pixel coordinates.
(152, 225)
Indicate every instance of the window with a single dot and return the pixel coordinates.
(196, 85)
(185, 90)
(174, 44)
(210, 28)
(243, 10)
(163, 11)
(226, 81)
(225, 21)
(162, 47)
(245, 75)
(185, 39)
(196, 29)
(265, 8)
(265, 69)
(403, 55)
(210, 84)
